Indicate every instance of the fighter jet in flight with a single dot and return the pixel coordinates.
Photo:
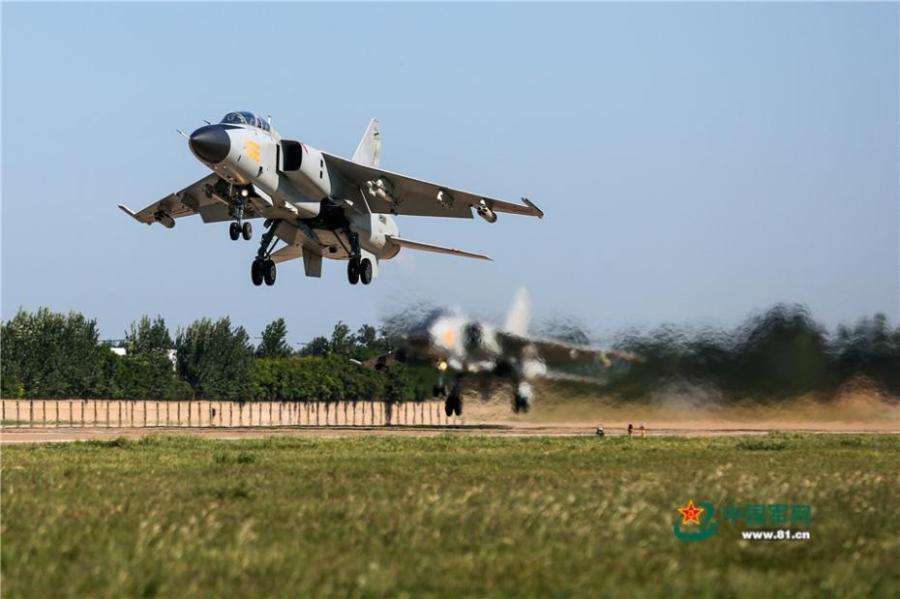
(318, 204)
(463, 349)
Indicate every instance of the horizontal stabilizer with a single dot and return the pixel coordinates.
(427, 247)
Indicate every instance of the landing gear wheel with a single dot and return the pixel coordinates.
(256, 272)
(457, 404)
(353, 271)
(448, 408)
(268, 272)
(234, 231)
(365, 271)
(520, 404)
(439, 391)
(247, 231)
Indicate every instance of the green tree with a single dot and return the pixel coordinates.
(147, 371)
(318, 346)
(48, 354)
(367, 336)
(342, 342)
(147, 336)
(215, 359)
(274, 341)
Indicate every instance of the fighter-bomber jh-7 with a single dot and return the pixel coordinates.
(318, 204)
(463, 350)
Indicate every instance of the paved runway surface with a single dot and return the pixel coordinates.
(41, 435)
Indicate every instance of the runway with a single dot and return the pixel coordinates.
(63, 434)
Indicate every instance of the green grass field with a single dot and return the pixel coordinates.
(447, 516)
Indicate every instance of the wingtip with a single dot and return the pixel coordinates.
(537, 211)
(131, 213)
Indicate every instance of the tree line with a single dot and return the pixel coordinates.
(44, 354)
(782, 352)
(777, 353)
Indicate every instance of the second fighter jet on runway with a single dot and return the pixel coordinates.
(319, 205)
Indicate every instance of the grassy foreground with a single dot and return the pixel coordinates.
(443, 516)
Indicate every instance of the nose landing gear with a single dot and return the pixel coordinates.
(236, 229)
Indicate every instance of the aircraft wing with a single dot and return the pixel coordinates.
(193, 199)
(414, 197)
(560, 352)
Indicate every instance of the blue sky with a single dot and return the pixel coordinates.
(696, 162)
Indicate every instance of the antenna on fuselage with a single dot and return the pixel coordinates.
(269, 118)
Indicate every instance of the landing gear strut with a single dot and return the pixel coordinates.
(238, 228)
(263, 267)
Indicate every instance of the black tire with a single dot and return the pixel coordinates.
(269, 272)
(520, 404)
(448, 408)
(247, 231)
(457, 405)
(234, 231)
(365, 271)
(353, 271)
(256, 274)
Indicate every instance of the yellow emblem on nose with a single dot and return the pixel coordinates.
(448, 337)
(251, 148)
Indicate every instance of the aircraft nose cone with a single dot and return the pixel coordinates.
(210, 143)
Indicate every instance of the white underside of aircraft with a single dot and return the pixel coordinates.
(318, 204)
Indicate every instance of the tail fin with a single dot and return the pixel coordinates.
(519, 314)
(368, 151)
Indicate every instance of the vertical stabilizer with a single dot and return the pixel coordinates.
(519, 314)
(368, 151)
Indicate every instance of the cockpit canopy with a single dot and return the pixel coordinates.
(245, 118)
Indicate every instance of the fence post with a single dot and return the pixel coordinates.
(83, 404)
(30, 412)
(57, 413)
(18, 420)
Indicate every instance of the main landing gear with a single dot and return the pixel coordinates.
(359, 270)
(263, 270)
(453, 401)
(263, 267)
